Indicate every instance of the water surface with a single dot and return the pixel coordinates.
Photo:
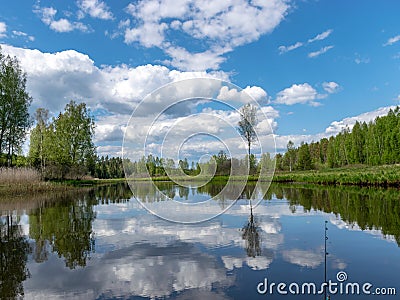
(102, 244)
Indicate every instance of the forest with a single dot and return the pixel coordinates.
(374, 143)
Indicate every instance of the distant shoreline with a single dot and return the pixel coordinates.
(359, 175)
(41, 187)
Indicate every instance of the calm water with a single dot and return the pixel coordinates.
(102, 244)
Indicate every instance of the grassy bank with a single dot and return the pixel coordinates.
(25, 181)
(387, 175)
(358, 175)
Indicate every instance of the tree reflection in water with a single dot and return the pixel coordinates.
(65, 227)
(14, 251)
(251, 235)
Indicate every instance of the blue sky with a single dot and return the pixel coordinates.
(315, 66)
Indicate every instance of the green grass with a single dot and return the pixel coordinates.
(359, 175)
(387, 175)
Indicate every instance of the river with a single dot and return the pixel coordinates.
(102, 243)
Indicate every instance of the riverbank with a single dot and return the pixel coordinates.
(360, 175)
(357, 175)
(19, 182)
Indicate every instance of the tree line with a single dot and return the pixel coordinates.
(218, 164)
(374, 143)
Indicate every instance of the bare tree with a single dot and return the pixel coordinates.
(248, 121)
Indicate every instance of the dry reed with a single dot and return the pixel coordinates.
(12, 176)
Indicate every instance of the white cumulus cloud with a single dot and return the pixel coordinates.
(247, 95)
(298, 94)
(219, 25)
(95, 8)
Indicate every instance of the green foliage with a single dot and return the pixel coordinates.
(375, 143)
(387, 175)
(304, 158)
(223, 163)
(38, 150)
(14, 105)
(64, 148)
(106, 168)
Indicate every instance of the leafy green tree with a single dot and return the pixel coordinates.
(37, 149)
(14, 105)
(71, 147)
(357, 145)
(323, 150)
(304, 162)
(184, 165)
(223, 163)
(279, 161)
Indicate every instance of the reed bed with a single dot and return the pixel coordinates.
(25, 181)
(11, 176)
